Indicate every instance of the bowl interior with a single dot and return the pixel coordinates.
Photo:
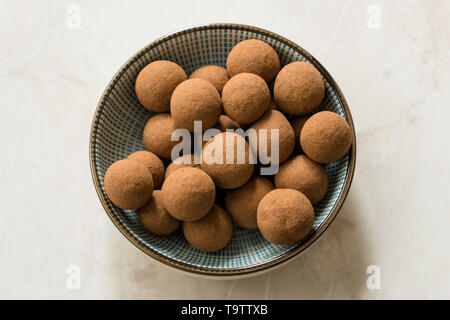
(117, 132)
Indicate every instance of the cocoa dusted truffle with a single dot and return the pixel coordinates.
(253, 56)
(303, 174)
(242, 203)
(225, 123)
(326, 137)
(228, 160)
(274, 119)
(245, 97)
(188, 194)
(211, 233)
(187, 160)
(285, 216)
(297, 124)
(157, 135)
(218, 76)
(153, 164)
(298, 88)
(155, 218)
(128, 184)
(156, 82)
(195, 99)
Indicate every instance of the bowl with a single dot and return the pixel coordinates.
(117, 131)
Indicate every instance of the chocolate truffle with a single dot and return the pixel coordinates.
(245, 97)
(297, 124)
(195, 99)
(228, 160)
(188, 194)
(155, 218)
(274, 119)
(242, 203)
(218, 76)
(253, 56)
(187, 160)
(225, 123)
(157, 135)
(285, 216)
(273, 104)
(298, 88)
(326, 137)
(128, 184)
(153, 164)
(303, 174)
(156, 82)
(211, 233)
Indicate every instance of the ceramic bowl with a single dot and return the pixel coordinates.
(117, 131)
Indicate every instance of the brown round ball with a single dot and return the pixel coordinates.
(225, 123)
(211, 233)
(245, 97)
(195, 99)
(304, 175)
(326, 137)
(285, 216)
(242, 203)
(274, 119)
(187, 160)
(253, 56)
(152, 163)
(218, 76)
(231, 173)
(297, 124)
(298, 88)
(128, 184)
(157, 135)
(156, 82)
(188, 194)
(155, 218)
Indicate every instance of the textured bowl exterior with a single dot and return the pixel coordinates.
(117, 132)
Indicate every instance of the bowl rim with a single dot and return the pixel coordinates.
(209, 271)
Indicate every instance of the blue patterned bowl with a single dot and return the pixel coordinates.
(117, 131)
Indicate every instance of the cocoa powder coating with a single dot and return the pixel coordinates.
(285, 216)
(225, 123)
(297, 124)
(156, 82)
(157, 135)
(216, 75)
(187, 160)
(152, 162)
(298, 88)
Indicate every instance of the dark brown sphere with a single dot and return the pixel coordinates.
(297, 124)
(245, 98)
(211, 233)
(242, 203)
(188, 194)
(155, 218)
(253, 56)
(216, 75)
(157, 135)
(304, 175)
(128, 184)
(285, 216)
(298, 88)
(326, 137)
(156, 82)
(153, 164)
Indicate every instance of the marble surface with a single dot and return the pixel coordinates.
(390, 58)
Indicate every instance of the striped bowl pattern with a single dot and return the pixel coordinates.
(117, 131)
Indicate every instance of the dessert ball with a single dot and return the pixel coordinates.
(245, 98)
(298, 88)
(285, 216)
(188, 194)
(297, 124)
(228, 160)
(242, 203)
(326, 137)
(303, 174)
(218, 76)
(274, 119)
(225, 123)
(152, 163)
(211, 233)
(128, 184)
(156, 82)
(155, 218)
(253, 56)
(195, 99)
(157, 135)
(187, 160)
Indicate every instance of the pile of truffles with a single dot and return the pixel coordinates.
(186, 191)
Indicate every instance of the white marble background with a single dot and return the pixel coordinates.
(392, 61)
